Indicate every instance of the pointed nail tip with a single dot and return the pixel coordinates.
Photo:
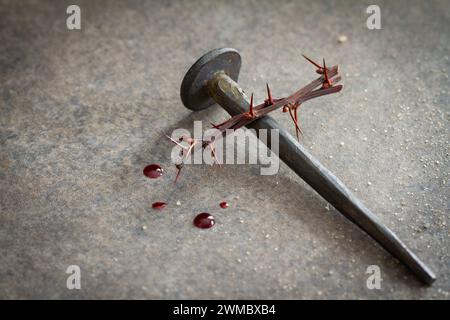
(429, 279)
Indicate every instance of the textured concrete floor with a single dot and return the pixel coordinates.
(82, 112)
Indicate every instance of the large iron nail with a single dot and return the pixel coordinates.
(212, 79)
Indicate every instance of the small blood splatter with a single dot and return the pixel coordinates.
(159, 205)
(153, 171)
(204, 221)
(224, 205)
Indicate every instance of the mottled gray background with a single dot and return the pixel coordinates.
(82, 112)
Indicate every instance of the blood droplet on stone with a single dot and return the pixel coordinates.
(204, 221)
(224, 205)
(153, 171)
(159, 205)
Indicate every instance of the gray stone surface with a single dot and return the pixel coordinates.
(82, 112)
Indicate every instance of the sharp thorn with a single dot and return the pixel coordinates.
(297, 129)
(188, 152)
(213, 151)
(296, 124)
(215, 126)
(325, 73)
(176, 142)
(315, 64)
(296, 119)
(269, 95)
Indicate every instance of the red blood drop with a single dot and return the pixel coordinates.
(224, 205)
(159, 205)
(153, 171)
(204, 220)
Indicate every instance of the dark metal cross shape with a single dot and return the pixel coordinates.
(212, 79)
